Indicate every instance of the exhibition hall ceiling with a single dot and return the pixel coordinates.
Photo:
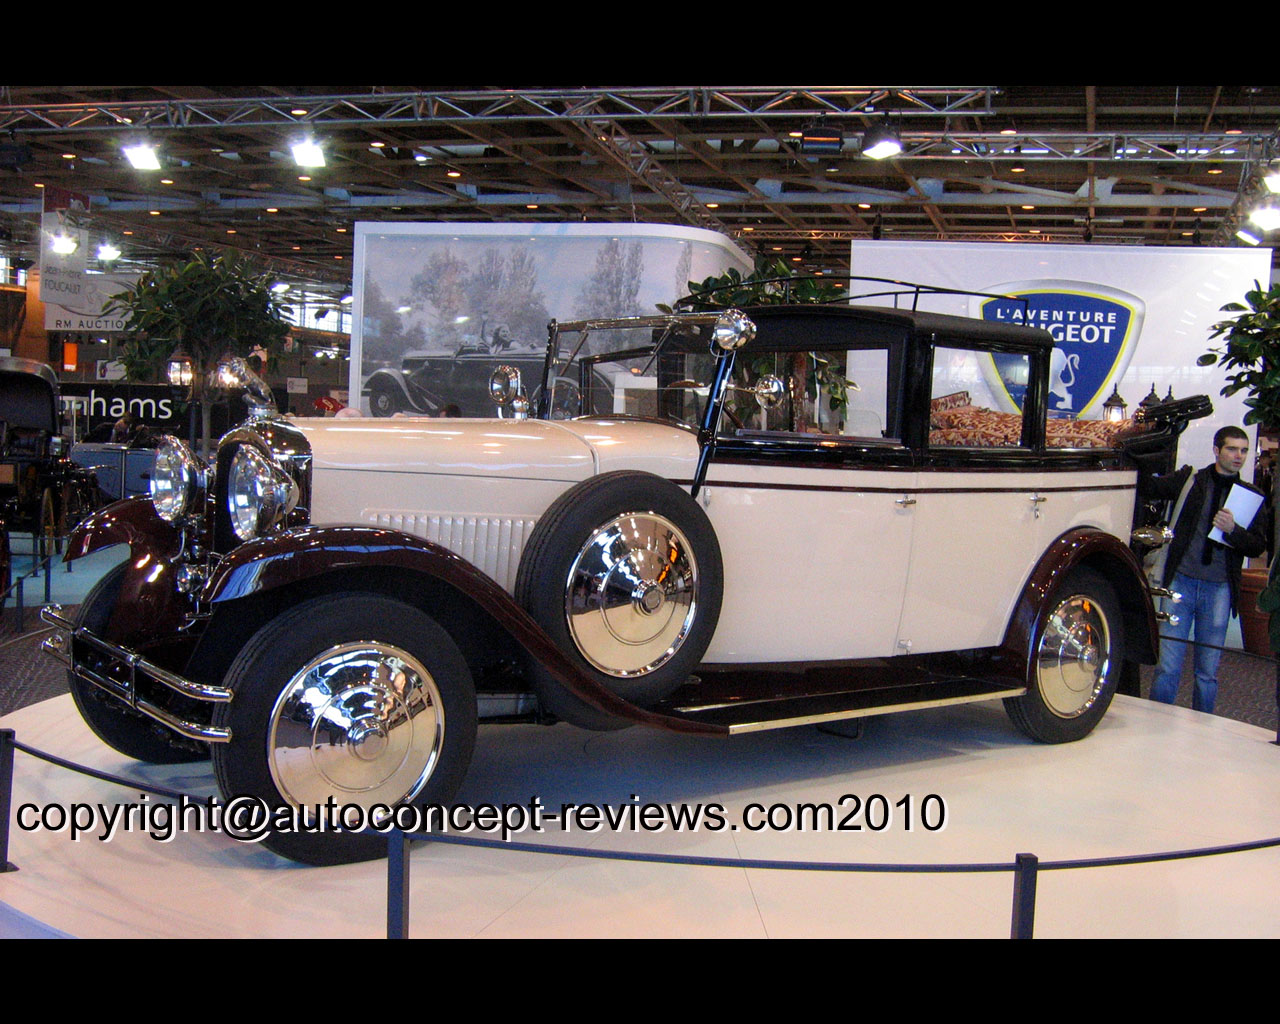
(1127, 165)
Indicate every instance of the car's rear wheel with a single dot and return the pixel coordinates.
(111, 719)
(1077, 661)
(624, 574)
(347, 700)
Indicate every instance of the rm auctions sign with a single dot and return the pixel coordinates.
(1095, 330)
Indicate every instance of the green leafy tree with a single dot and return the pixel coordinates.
(1251, 353)
(210, 307)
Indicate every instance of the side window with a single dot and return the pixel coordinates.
(975, 398)
(832, 393)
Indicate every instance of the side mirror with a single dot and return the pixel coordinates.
(770, 391)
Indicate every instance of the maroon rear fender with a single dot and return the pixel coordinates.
(1099, 550)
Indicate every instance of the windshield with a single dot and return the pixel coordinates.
(654, 367)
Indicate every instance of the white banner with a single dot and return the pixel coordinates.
(80, 309)
(1123, 317)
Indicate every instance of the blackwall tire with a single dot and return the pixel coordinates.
(1077, 663)
(112, 721)
(356, 698)
(624, 574)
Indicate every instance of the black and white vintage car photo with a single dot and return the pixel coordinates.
(792, 514)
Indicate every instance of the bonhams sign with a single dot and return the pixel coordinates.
(1094, 328)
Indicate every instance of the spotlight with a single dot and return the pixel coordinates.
(1267, 217)
(63, 245)
(307, 153)
(142, 156)
(108, 253)
(818, 138)
(1272, 176)
(1249, 234)
(881, 142)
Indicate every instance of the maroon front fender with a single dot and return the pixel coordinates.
(132, 521)
(149, 608)
(307, 552)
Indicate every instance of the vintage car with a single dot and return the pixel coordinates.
(794, 516)
(429, 382)
(41, 491)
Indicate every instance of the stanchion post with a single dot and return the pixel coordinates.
(22, 609)
(397, 885)
(6, 796)
(48, 578)
(1024, 895)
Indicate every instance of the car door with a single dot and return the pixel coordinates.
(815, 523)
(979, 525)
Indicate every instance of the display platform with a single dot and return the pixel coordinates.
(1152, 778)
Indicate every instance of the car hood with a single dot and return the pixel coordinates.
(562, 450)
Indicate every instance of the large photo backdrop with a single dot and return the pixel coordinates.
(1127, 317)
(426, 292)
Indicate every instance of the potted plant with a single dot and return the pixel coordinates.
(1250, 355)
(211, 307)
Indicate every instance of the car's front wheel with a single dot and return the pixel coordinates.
(352, 701)
(1077, 661)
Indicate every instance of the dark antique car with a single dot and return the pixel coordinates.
(41, 491)
(795, 514)
(428, 382)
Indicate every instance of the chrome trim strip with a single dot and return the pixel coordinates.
(835, 716)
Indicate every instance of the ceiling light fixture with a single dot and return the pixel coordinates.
(818, 137)
(881, 142)
(1271, 178)
(1250, 234)
(1266, 217)
(307, 153)
(142, 157)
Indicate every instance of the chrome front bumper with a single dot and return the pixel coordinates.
(122, 670)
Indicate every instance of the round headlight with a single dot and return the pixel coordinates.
(176, 479)
(259, 494)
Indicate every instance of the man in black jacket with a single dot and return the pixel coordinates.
(1205, 572)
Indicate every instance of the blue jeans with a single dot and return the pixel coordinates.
(1209, 606)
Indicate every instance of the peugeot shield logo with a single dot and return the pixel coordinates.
(1095, 330)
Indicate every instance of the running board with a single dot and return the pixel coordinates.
(783, 712)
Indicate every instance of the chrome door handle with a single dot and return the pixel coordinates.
(905, 501)
(1036, 499)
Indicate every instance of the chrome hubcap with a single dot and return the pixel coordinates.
(361, 723)
(631, 594)
(1072, 664)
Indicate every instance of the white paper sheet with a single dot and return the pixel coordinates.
(1243, 504)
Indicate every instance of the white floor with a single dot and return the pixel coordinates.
(1151, 778)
